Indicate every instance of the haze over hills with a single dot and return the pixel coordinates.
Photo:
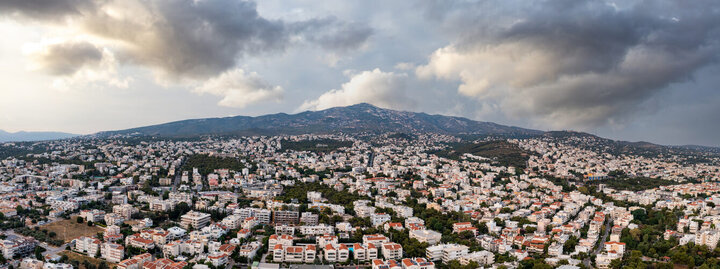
(32, 136)
(357, 118)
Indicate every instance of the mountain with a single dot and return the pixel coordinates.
(592, 142)
(32, 136)
(358, 118)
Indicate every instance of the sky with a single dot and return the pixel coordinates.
(631, 70)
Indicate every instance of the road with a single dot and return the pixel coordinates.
(178, 176)
(599, 248)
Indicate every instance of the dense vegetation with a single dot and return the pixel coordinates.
(320, 145)
(499, 151)
(647, 241)
(20, 149)
(40, 235)
(206, 164)
(404, 136)
(299, 191)
(634, 184)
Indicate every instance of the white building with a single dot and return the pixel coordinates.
(194, 219)
(426, 236)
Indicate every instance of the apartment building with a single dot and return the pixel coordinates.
(446, 252)
(364, 252)
(708, 238)
(112, 252)
(426, 236)
(378, 219)
(482, 258)
(285, 240)
(93, 215)
(263, 215)
(392, 251)
(336, 253)
(319, 229)
(285, 217)
(301, 254)
(87, 245)
(17, 246)
(135, 262)
(376, 239)
(194, 219)
(417, 263)
(309, 218)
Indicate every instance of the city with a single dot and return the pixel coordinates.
(348, 202)
(359, 134)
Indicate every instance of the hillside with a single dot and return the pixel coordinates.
(360, 118)
(687, 154)
(32, 136)
(498, 151)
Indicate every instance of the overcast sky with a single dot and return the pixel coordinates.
(630, 70)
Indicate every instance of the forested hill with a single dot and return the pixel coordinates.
(360, 118)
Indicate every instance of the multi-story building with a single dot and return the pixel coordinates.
(482, 258)
(233, 221)
(707, 238)
(93, 215)
(194, 219)
(304, 254)
(139, 242)
(446, 252)
(285, 240)
(263, 215)
(285, 217)
(336, 253)
(17, 246)
(113, 219)
(218, 259)
(417, 263)
(376, 239)
(309, 218)
(316, 229)
(125, 210)
(364, 252)
(161, 205)
(392, 251)
(378, 219)
(112, 252)
(426, 236)
(87, 245)
(135, 262)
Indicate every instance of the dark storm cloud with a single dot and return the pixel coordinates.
(67, 58)
(330, 33)
(43, 9)
(200, 39)
(574, 63)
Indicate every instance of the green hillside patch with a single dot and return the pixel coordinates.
(207, 164)
(634, 184)
(499, 151)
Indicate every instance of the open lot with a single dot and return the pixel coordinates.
(67, 230)
(74, 256)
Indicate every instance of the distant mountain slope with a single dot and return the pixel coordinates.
(592, 142)
(351, 119)
(32, 136)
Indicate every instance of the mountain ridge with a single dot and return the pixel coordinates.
(358, 118)
(23, 136)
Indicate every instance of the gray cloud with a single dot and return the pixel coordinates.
(330, 33)
(65, 59)
(199, 39)
(574, 63)
(44, 9)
